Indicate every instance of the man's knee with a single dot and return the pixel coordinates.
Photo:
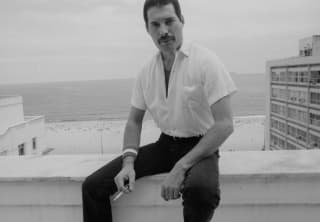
(97, 189)
(88, 185)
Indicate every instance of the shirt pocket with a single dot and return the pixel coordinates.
(194, 101)
(193, 96)
(196, 108)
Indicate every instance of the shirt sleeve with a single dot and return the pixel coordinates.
(216, 79)
(137, 97)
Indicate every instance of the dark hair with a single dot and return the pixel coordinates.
(151, 3)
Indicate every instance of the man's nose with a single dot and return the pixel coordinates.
(163, 30)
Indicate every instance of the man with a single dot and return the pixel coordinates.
(187, 91)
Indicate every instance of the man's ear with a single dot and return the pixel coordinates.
(182, 19)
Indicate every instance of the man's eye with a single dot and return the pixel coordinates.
(169, 22)
(155, 25)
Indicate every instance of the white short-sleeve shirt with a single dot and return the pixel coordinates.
(198, 79)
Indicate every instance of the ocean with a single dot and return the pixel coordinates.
(110, 99)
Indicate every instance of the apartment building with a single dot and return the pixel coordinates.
(293, 99)
(19, 134)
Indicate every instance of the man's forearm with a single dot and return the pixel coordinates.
(131, 141)
(208, 145)
(132, 134)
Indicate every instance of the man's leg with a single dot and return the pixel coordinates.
(97, 188)
(201, 194)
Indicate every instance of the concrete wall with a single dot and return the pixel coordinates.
(11, 111)
(257, 186)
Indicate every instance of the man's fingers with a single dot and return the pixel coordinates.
(168, 193)
(131, 182)
(173, 194)
(164, 191)
(120, 180)
(125, 184)
(176, 194)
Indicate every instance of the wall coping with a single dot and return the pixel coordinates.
(27, 120)
(233, 165)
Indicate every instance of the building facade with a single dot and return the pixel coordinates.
(19, 134)
(293, 99)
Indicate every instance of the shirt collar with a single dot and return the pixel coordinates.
(185, 49)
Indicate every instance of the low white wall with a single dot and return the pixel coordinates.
(23, 133)
(257, 186)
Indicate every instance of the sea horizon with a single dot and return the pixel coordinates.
(109, 100)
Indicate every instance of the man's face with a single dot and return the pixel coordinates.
(165, 28)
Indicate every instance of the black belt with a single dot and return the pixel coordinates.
(180, 139)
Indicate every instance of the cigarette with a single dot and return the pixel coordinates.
(117, 196)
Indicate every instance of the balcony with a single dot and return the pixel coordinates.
(257, 186)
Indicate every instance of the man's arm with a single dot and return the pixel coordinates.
(219, 132)
(207, 146)
(132, 133)
(131, 141)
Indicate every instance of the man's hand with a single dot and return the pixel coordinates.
(125, 179)
(173, 183)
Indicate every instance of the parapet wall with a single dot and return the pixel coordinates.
(257, 186)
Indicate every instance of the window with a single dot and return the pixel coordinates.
(301, 135)
(302, 116)
(274, 93)
(278, 109)
(315, 98)
(275, 124)
(314, 119)
(279, 93)
(277, 142)
(292, 131)
(291, 76)
(315, 77)
(304, 77)
(283, 94)
(21, 149)
(295, 76)
(283, 76)
(302, 97)
(314, 141)
(275, 76)
(34, 143)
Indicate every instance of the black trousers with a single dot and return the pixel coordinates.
(201, 193)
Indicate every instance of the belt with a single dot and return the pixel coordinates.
(181, 139)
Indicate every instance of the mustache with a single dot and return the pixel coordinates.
(166, 38)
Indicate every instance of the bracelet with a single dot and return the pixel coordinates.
(129, 152)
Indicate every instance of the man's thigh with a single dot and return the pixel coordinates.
(151, 160)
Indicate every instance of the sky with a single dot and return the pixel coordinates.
(67, 40)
